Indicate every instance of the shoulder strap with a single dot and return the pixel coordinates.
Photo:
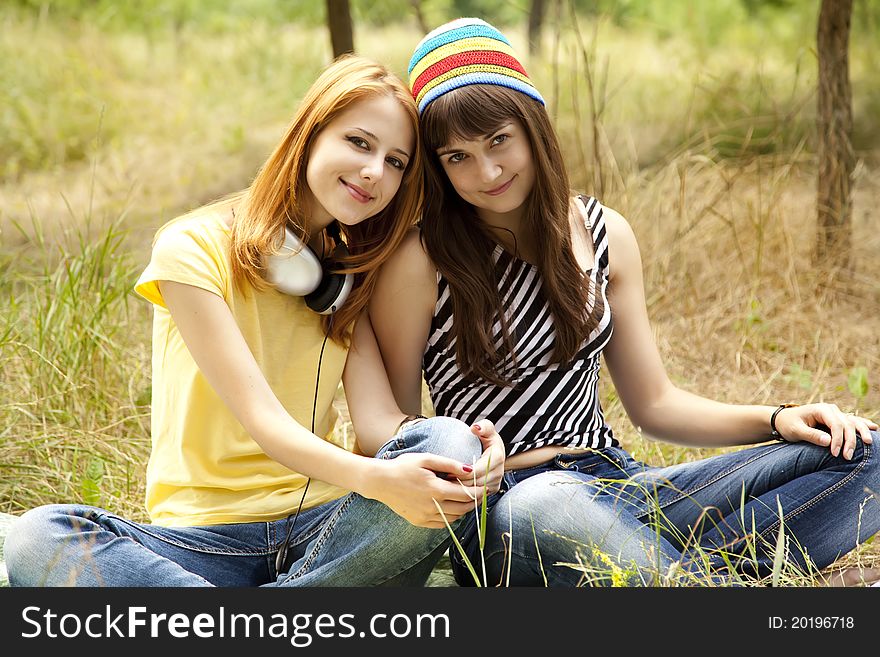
(584, 206)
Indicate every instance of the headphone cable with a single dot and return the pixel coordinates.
(282, 550)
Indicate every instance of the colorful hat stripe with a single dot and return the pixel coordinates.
(496, 61)
(463, 52)
(465, 70)
(451, 32)
(470, 44)
(479, 78)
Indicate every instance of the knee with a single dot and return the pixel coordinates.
(530, 531)
(25, 542)
(542, 503)
(870, 454)
(34, 543)
(445, 436)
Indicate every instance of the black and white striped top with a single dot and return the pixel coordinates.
(549, 403)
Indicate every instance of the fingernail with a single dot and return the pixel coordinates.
(467, 468)
(848, 454)
(475, 427)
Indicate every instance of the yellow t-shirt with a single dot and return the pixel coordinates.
(204, 468)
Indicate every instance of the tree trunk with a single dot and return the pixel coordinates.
(420, 16)
(836, 158)
(339, 22)
(536, 21)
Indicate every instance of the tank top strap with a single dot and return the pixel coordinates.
(595, 223)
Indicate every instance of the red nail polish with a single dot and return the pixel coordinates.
(467, 468)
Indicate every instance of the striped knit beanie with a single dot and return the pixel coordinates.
(462, 52)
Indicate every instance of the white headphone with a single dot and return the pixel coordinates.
(297, 271)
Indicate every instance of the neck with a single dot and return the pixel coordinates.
(316, 216)
(508, 230)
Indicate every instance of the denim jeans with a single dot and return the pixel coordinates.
(352, 541)
(711, 520)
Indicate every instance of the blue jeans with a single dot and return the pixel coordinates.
(352, 541)
(619, 521)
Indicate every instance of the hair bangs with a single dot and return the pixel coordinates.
(467, 113)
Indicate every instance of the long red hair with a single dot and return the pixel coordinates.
(274, 199)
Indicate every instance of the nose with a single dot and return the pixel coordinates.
(373, 168)
(490, 170)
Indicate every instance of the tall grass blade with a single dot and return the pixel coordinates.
(779, 553)
(458, 546)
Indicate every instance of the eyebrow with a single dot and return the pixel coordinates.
(446, 150)
(372, 136)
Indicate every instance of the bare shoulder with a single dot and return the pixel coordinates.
(411, 253)
(409, 265)
(622, 244)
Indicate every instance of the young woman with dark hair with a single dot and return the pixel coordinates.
(514, 290)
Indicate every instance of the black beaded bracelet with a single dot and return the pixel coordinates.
(773, 432)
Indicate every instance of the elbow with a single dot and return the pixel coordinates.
(650, 414)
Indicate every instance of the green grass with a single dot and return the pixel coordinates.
(75, 388)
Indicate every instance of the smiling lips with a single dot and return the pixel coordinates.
(500, 190)
(357, 193)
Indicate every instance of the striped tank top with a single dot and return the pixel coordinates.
(548, 403)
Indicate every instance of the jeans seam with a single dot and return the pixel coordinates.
(825, 493)
(325, 532)
(192, 548)
(683, 494)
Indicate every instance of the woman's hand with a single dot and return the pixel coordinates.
(489, 469)
(418, 487)
(799, 423)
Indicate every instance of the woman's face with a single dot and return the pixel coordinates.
(357, 161)
(494, 173)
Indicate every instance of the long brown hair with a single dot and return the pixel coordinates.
(459, 243)
(275, 197)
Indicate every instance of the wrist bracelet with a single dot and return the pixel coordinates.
(409, 419)
(774, 433)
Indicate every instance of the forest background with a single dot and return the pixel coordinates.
(696, 120)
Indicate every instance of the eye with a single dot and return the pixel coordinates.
(455, 158)
(397, 163)
(360, 142)
(499, 139)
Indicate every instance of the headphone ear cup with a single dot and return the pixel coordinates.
(325, 299)
(295, 269)
(334, 288)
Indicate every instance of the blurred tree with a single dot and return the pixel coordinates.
(339, 22)
(536, 21)
(754, 6)
(835, 124)
(420, 15)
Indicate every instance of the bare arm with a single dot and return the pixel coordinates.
(407, 484)
(374, 412)
(401, 310)
(665, 411)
